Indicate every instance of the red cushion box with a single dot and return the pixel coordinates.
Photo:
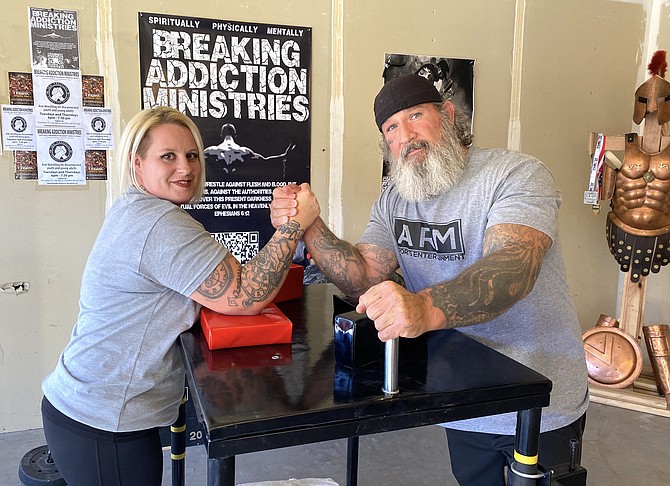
(247, 357)
(271, 326)
(291, 289)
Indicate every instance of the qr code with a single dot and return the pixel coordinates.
(243, 245)
(55, 60)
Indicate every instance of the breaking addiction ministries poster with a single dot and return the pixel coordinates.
(247, 88)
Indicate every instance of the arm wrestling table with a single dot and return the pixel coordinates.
(266, 397)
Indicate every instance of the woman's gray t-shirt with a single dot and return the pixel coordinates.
(121, 370)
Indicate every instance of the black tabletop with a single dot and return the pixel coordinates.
(271, 396)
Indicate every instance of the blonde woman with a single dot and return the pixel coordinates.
(152, 267)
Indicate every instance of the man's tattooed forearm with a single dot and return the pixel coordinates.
(343, 263)
(495, 283)
(383, 258)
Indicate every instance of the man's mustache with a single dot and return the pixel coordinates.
(421, 144)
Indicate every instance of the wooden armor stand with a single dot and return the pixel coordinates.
(642, 395)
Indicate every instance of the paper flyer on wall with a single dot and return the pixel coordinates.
(18, 127)
(98, 133)
(57, 98)
(55, 60)
(96, 165)
(21, 93)
(20, 88)
(93, 90)
(453, 78)
(57, 91)
(60, 156)
(247, 88)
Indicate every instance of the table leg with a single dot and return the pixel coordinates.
(221, 471)
(524, 470)
(352, 461)
(178, 445)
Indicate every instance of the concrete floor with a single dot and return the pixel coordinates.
(621, 448)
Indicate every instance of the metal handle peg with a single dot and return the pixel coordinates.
(391, 367)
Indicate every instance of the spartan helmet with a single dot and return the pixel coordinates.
(652, 95)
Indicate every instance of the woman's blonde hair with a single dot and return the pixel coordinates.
(136, 138)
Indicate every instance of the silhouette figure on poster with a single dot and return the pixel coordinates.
(231, 154)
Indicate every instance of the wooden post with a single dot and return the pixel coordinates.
(631, 314)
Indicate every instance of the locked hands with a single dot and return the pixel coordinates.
(294, 203)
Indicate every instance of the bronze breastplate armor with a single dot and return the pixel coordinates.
(638, 227)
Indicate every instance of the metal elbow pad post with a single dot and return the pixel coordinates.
(391, 367)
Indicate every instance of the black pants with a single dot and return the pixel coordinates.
(86, 456)
(479, 459)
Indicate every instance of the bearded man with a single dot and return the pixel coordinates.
(474, 233)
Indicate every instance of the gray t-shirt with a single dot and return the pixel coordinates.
(436, 240)
(121, 370)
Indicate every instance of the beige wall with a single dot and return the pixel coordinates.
(565, 94)
(582, 60)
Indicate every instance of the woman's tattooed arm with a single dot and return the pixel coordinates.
(255, 282)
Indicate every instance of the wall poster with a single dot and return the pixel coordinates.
(54, 39)
(453, 78)
(247, 88)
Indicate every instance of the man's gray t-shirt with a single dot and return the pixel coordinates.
(435, 240)
(121, 370)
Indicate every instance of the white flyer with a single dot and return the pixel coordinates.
(60, 156)
(98, 129)
(18, 127)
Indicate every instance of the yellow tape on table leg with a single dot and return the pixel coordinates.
(528, 460)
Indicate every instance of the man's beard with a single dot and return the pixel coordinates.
(425, 175)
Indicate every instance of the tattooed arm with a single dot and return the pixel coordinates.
(504, 275)
(233, 288)
(354, 269)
